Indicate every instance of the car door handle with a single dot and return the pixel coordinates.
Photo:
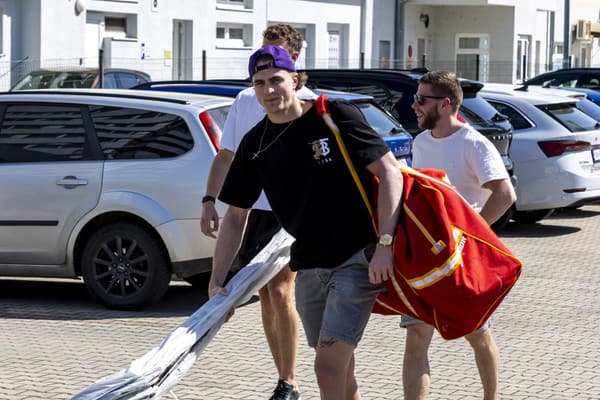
(69, 182)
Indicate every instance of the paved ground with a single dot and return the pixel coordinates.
(54, 341)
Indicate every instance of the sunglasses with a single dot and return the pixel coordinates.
(420, 98)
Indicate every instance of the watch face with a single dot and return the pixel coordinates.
(386, 240)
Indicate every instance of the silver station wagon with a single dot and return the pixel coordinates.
(106, 185)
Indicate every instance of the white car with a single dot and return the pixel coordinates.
(107, 185)
(555, 151)
(585, 103)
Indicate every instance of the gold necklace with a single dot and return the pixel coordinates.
(260, 148)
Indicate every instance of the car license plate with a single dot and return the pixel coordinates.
(596, 154)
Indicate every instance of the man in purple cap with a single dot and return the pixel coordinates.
(279, 316)
(292, 155)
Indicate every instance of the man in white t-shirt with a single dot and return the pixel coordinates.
(475, 168)
(279, 316)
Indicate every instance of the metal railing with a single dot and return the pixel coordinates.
(236, 67)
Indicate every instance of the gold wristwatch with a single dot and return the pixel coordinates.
(385, 240)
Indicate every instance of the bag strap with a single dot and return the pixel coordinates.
(323, 111)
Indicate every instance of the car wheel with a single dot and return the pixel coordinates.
(124, 267)
(503, 220)
(531, 217)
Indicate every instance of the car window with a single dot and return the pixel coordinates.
(590, 108)
(564, 80)
(129, 133)
(572, 118)
(40, 132)
(128, 79)
(110, 81)
(56, 79)
(379, 120)
(517, 120)
(589, 81)
(478, 105)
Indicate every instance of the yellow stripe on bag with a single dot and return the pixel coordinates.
(444, 270)
(436, 246)
(402, 295)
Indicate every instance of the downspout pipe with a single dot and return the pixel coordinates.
(399, 13)
(566, 33)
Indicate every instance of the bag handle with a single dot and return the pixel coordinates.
(323, 111)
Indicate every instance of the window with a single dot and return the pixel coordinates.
(115, 24)
(517, 120)
(40, 132)
(129, 79)
(472, 56)
(572, 118)
(230, 35)
(128, 133)
(235, 4)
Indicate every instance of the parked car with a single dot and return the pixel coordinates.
(587, 78)
(589, 100)
(47, 78)
(394, 90)
(106, 185)
(397, 138)
(555, 150)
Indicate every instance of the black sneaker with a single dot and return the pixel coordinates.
(285, 391)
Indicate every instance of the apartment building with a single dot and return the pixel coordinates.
(490, 40)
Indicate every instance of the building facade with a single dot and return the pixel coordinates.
(490, 40)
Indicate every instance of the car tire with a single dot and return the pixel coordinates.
(531, 217)
(124, 267)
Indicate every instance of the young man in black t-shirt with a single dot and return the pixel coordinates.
(292, 155)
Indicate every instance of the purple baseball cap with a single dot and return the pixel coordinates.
(281, 59)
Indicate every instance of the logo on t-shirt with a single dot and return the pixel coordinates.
(321, 151)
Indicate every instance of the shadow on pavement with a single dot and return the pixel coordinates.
(536, 230)
(66, 300)
(572, 213)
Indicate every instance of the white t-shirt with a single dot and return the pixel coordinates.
(469, 159)
(244, 114)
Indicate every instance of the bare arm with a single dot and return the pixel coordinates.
(209, 221)
(227, 246)
(388, 209)
(503, 196)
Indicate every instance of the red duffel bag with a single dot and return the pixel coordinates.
(451, 270)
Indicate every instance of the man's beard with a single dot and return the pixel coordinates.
(430, 119)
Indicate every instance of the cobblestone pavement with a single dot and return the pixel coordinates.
(55, 341)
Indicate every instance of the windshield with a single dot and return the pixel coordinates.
(382, 123)
(570, 116)
(56, 79)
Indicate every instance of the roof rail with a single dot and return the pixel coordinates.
(97, 94)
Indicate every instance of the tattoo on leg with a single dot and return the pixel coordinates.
(326, 342)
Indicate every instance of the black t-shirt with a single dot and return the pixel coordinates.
(308, 183)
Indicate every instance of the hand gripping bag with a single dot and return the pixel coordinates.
(451, 270)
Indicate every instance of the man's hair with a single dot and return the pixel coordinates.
(285, 32)
(445, 83)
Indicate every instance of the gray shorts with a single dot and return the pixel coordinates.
(405, 321)
(336, 302)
